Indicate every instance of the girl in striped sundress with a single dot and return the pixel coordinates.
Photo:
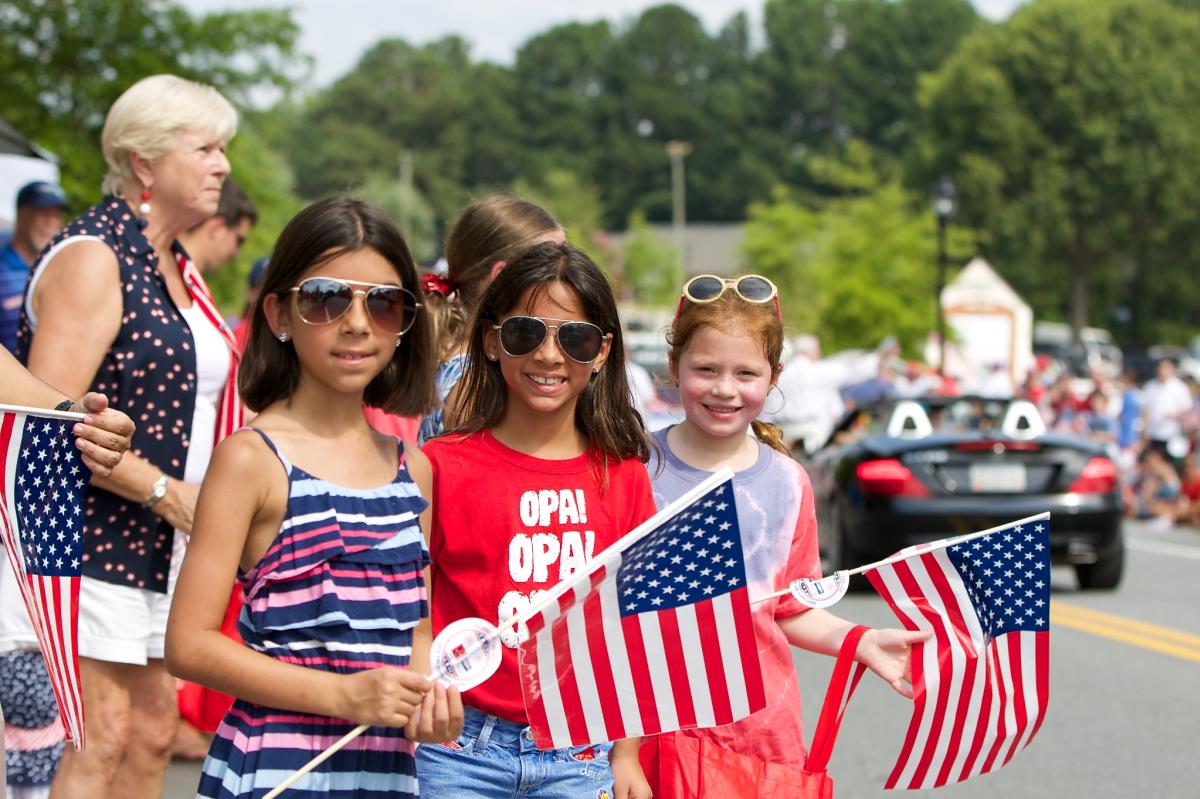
(320, 520)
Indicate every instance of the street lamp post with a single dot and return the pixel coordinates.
(677, 151)
(945, 203)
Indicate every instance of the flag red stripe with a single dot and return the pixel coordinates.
(677, 670)
(6, 431)
(921, 697)
(1042, 650)
(961, 641)
(756, 693)
(564, 674)
(639, 669)
(710, 644)
(1016, 644)
(605, 686)
(981, 724)
(943, 644)
(73, 686)
(53, 611)
(997, 682)
(958, 729)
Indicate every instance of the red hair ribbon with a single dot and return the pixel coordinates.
(436, 284)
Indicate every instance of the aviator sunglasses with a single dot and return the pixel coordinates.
(321, 300)
(750, 288)
(579, 341)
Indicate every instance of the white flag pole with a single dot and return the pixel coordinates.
(50, 413)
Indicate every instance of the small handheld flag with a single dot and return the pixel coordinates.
(42, 484)
(654, 636)
(982, 683)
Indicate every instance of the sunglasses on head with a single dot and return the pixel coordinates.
(750, 288)
(321, 300)
(579, 341)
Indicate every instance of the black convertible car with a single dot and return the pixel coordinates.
(907, 471)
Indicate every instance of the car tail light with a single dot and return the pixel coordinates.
(889, 478)
(1098, 477)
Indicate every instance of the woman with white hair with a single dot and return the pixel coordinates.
(114, 305)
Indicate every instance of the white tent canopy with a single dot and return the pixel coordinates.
(990, 321)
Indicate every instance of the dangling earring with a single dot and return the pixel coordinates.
(144, 209)
(283, 337)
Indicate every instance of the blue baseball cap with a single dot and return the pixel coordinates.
(41, 194)
(257, 272)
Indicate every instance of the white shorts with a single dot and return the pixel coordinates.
(117, 623)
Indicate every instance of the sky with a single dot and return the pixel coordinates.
(337, 32)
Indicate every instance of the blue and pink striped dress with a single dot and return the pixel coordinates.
(340, 589)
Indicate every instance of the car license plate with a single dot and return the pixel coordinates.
(1008, 478)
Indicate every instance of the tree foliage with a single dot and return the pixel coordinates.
(602, 101)
(65, 61)
(852, 270)
(1074, 134)
(652, 268)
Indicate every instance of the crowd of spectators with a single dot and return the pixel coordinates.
(1150, 428)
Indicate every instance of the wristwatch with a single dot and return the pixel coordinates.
(157, 491)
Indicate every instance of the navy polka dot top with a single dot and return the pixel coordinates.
(149, 373)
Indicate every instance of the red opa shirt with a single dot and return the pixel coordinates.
(507, 526)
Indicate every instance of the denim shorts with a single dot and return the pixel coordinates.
(497, 759)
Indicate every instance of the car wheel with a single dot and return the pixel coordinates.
(1104, 574)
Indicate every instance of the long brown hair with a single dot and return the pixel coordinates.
(269, 369)
(488, 230)
(731, 312)
(604, 412)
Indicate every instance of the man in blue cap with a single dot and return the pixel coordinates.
(41, 208)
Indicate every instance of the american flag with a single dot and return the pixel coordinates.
(982, 683)
(42, 483)
(654, 636)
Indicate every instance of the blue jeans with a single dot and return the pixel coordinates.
(494, 758)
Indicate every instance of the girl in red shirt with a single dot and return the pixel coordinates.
(543, 469)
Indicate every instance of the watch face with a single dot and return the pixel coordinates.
(159, 489)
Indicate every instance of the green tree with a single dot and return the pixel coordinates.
(1074, 134)
(65, 61)
(838, 69)
(562, 90)
(653, 268)
(409, 210)
(453, 116)
(854, 271)
(575, 203)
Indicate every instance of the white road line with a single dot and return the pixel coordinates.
(1162, 548)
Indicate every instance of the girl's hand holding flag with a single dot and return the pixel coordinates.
(887, 652)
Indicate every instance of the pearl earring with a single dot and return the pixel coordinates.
(144, 209)
(491, 356)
